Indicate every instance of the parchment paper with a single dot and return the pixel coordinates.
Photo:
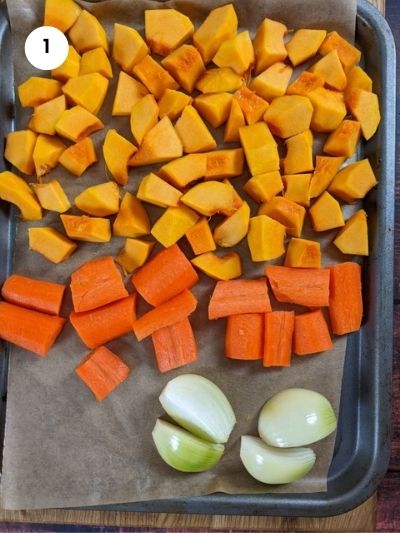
(62, 448)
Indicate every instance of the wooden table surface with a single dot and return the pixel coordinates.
(381, 513)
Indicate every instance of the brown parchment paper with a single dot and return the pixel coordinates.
(62, 448)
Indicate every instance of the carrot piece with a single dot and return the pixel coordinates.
(239, 296)
(43, 296)
(96, 283)
(165, 276)
(345, 300)
(244, 336)
(174, 346)
(279, 327)
(302, 286)
(311, 334)
(29, 329)
(101, 325)
(166, 314)
(102, 371)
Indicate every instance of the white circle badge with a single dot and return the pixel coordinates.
(46, 48)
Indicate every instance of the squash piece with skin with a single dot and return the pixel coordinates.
(84, 228)
(353, 237)
(272, 82)
(304, 45)
(166, 29)
(219, 80)
(51, 196)
(156, 191)
(222, 268)
(305, 83)
(236, 52)
(15, 190)
(297, 188)
(47, 152)
(53, 245)
(260, 148)
(214, 108)
(129, 47)
(299, 155)
(224, 164)
(19, 150)
(172, 103)
(234, 228)
(354, 181)
(343, 141)
(70, 68)
(269, 45)
(329, 109)
(87, 33)
(349, 55)
(99, 200)
(331, 70)
(186, 66)
(289, 115)
(78, 157)
(201, 238)
(132, 219)
(326, 213)
(117, 151)
(364, 106)
(185, 170)
(324, 172)
(264, 187)
(36, 91)
(156, 78)
(134, 254)
(88, 91)
(252, 105)
(61, 14)
(129, 92)
(173, 224)
(235, 121)
(302, 253)
(77, 123)
(46, 116)
(211, 197)
(265, 238)
(96, 61)
(193, 132)
(144, 116)
(288, 213)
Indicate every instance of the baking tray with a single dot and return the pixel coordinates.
(363, 438)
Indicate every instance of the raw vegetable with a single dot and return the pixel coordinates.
(46, 154)
(260, 148)
(51, 196)
(289, 115)
(269, 45)
(129, 47)
(304, 45)
(117, 151)
(193, 132)
(84, 228)
(61, 14)
(225, 267)
(45, 116)
(174, 346)
(345, 299)
(265, 238)
(19, 150)
(154, 76)
(187, 77)
(87, 90)
(134, 254)
(311, 333)
(51, 244)
(286, 212)
(234, 228)
(278, 338)
(200, 237)
(302, 253)
(353, 237)
(79, 157)
(240, 296)
(15, 190)
(173, 224)
(87, 33)
(244, 336)
(132, 219)
(99, 200)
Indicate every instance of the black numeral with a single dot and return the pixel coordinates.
(46, 46)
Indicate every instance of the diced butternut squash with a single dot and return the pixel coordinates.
(302, 253)
(260, 148)
(144, 116)
(214, 108)
(129, 48)
(117, 151)
(325, 213)
(329, 109)
(220, 24)
(132, 219)
(273, 81)
(99, 200)
(234, 228)
(343, 141)
(19, 150)
(96, 61)
(46, 116)
(354, 181)
(156, 191)
(299, 153)
(159, 144)
(236, 52)
(70, 68)
(353, 237)
(331, 70)
(357, 78)
(36, 91)
(173, 224)
(297, 188)
(186, 66)
(304, 45)
(15, 190)
(364, 106)
(252, 105)
(324, 172)
(53, 245)
(201, 238)
(47, 152)
(221, 268)
(235, 121)
(87, 33)
(193, 133)
(89, 229)
(172, 103)
(264, 187)
(224, 164)
(134, 254)
(88, 91)
(154, 76)
(61, 14)
(288, 213)
(305, 83)
(129, 92)
(210, 198)
(166, 29)
(79, 157)
(77, 123)
(51, 196)
(185, 170)
(289, 115)
(269, 45)
(219, 80)
(265, 238)
(349, 55)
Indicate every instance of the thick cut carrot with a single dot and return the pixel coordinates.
(96, 283)
(43, 296)
(302, 286)
(345, 300)
(29, 329)
(239, 296)
(311, 334)
(244, 336)
(278, 339)
(174, 346)
(106, 323)
(165, 276)
(102, 371)
(174, 310)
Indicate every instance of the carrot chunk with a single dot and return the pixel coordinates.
(244, 336)
(311, 334)
(279, 327)
(239, 296)
(174, 346)
(43, 296)
(345, 300)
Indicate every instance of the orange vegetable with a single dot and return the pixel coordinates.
(167, 274)
(106, 323)
(43, 296)
(302, 286)
(102, 371)
(174, 346)
(168, 313)
(29, 329)
(311, 334)
(279, 327)
(237, 297)
(96, 283)
(244, 336)
(345, 300)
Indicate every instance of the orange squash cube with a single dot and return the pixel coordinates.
(129, 48)
(129, 92)
(70, 68)
(288, 213)
(235, 121)
(289, 115)
(329, 109)
(215, 108)
(252, 106)
(186, 66)
(331, 70)
(264, 187)
(304, 45)
(325, 213)
(172, 103)
(354, 181)
(166, 29)
(185, 170)
(201, 238)
(96, 60)
(299, 154)
(224, 164)
(79, 157)
(236, 52)
(219, 80)
(260, 148)
(353, 237)
(193, 132)
(349, 55)
(273, 81)
(364, 106)
(36, 91)
(305, 83)
(269, 46)
(324, 172)
(45, 116)
(343, 141)
(154, 76)
(87, 33)
(302, 253)
(297, 188)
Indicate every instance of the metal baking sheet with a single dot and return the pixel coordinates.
(363, 438)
